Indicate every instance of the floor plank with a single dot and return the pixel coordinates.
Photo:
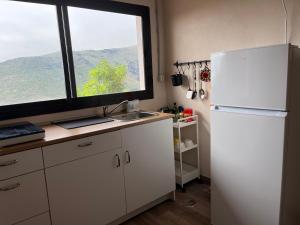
(190, 208)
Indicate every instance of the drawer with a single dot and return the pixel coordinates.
(43, 219)
(71, 150)
(22, 198)
(20, 163)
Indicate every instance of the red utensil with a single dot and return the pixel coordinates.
(205, 74)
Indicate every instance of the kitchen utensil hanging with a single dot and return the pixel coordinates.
(190, 92)
(202, 93)
(205, 74)
(194, 95)
(177, 77)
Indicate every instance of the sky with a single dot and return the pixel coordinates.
(28, 29)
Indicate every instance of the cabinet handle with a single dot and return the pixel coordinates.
(128, 160)
(10, 187)
(8, 163)
(85, 144)
(118, 160)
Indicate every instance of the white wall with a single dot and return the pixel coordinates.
(196, 28)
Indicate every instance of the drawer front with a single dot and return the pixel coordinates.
(22, 197)
(43, 219)
(20, 163)
(71, 150)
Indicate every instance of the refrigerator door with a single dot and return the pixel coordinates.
(251, 78)
(246, 166)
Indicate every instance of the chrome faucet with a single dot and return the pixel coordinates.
(105, 108)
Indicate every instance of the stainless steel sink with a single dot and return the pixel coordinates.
(134, 116)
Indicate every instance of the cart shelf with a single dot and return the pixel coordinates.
(188, 172)
(177, 150)
(182, 124)
(184, 171)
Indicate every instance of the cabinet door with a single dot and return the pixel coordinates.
(149, 157)
(87, 191)
(22, 197)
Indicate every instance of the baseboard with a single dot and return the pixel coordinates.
(169, 196)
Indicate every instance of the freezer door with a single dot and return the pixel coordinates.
(251, 78)
(246, 167)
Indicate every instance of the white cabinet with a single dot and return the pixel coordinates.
(149, 162)
(87, 191)
(80, 148)
(94, 180)
(16, 164)
(22, 197)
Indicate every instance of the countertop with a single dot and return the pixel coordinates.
(55, 134)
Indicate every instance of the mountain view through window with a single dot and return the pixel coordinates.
(31, 67)
(107, 53)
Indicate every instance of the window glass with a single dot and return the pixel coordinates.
(31, 67)
(107, 52)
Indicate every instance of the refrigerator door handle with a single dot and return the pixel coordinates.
(257, 112)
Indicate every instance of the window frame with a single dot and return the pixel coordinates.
(72, 102)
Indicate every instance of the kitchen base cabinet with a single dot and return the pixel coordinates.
(43, 219)
(22, 197)
(149, 168)
(87, 191)
(94, 179)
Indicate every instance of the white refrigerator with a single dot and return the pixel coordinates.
(255, 136)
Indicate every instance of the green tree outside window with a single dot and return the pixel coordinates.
(105, 78)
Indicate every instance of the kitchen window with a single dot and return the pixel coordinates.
(64, 55)
(30, 54)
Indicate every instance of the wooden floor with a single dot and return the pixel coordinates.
(190, 208)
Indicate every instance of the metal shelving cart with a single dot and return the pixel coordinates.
(185, 172)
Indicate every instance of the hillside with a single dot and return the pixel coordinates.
(35, 78)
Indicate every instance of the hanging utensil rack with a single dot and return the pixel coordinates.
(201, 62)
